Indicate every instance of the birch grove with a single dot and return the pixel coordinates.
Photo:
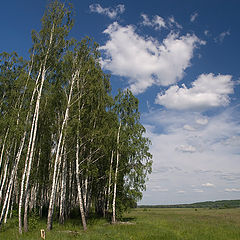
(66, 144)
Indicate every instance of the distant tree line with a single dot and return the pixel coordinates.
(207, 204)
(65, 142)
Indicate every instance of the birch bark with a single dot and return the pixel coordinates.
(58, 155)
(8, 204)
(109, 182)
(32, 139)
(115, 178)
(63, 192)
(4, 178)
(3, 147)
(79, 189)
(12, 177)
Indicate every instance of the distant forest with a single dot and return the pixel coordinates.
(208, 204)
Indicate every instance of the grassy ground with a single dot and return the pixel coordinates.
(143, 224)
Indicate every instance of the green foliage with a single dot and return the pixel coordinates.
(38, 94)
(33, 221)
(135, 160)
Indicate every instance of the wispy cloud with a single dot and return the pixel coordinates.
(208, 185)
(155, 188)
(231, 177)
(232, 189)
(157, 22)
(206, 92)
(188, 127)
(193, 17)
(222, 36)
(197, 190)
(181, 191)
(202, 121)
(145, 61)
(110, 12)
(173, 23)
(186, 149)
(213, 162)
(206, 33)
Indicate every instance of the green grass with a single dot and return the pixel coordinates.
(143, 224)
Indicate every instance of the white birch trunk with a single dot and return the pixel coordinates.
(3, 147)
(12, 177)
(32, 139)
(33, 191)
(7, 200)
(63, 192)
(79, 189)
(77, 170)
(23, 181)
(54, 182)
(109, 182)
(4, 179)
(5, 205)
(8, 204)
(115, 178)
(27, 157)
(85, 192)
(25, 212)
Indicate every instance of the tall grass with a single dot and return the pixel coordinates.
(142, 224)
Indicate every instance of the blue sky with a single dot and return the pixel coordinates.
(181, 59)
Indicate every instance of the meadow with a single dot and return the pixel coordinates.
(142, 224)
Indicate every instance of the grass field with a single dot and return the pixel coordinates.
(143, 224)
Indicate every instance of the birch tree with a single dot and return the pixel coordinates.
(65, 143)
(132, 150)
(49, 44)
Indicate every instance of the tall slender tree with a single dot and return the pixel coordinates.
(65, 143)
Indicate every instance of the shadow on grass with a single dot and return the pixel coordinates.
(128, 219)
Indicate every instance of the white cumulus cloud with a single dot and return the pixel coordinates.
(110, 12)
(146, 61)
(206, 92)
